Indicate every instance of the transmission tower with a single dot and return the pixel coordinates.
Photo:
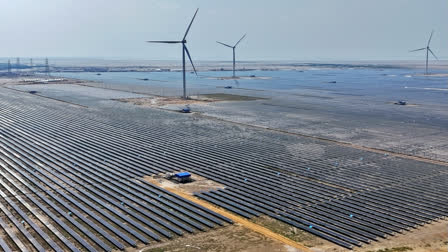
(47, 67)
(18, 63)
(9, 66)
(31, 65)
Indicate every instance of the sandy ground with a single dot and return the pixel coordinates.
(242, 78)
(161, 101)
(291, 232)
(433, 75)
(199, 184)
(228, 239)
(30, 80)
(429, 238)
(156, 101)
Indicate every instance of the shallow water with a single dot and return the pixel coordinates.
(380, 83)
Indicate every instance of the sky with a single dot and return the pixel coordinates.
(300, 30)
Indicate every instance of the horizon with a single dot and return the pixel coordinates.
(25, 59)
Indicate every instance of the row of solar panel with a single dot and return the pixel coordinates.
(82, 203)
(263, 172)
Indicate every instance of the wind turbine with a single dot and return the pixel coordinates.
(184, 50)
(233, 48)
(428, 50)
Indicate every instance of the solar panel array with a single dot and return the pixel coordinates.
(335, 209)
(67, 171)
(64, 191)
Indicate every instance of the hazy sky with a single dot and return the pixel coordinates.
(276, 29)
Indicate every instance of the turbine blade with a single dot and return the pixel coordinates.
(430, 37)
(224, 44)
(240, 40)
(165, 42)
(418, 49)
(188, 29)
(433, 54)
(191, 61)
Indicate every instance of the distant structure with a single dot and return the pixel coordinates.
(9, 66)
(47, 67)
(31, 65)
(428, 50)
(233, 48)
(18, 64)
(184, 50)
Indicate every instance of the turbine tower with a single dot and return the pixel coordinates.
(233, 48)
(184, 50)
(428, 50)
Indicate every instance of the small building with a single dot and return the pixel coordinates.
(183, 177)
(180, 177)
